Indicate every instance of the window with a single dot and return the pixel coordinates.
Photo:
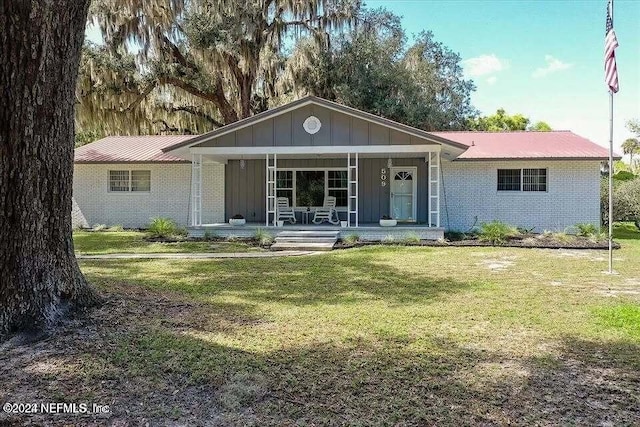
(337, 186)
(126, 181)
(284, 184)
(534, 180)
(522, 179)
(508, 179)
(310, 188)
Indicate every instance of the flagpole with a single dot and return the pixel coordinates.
(611, 170)
(611, 182)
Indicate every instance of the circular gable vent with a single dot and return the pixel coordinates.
(312, 125)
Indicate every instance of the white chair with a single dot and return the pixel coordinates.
(284, 212)
(327, 212)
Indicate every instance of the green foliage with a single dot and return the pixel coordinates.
(411, 238)
(496, 232)
(540, 127)
(373, 68)
(84, 137)
(586, 229)
(162, 227)
(626, 201)
(352, 238)
(624, 176)
(263, 237)
(500, 121)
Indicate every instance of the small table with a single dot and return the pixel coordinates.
(305, 216)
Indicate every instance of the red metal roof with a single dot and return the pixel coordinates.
(526, 145)
(123, 149)
(482, 145)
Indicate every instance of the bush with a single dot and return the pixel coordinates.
(496, 232)
(162, 227)
(352, 238)
(263, 237)
(626, 201)
(411, 238)
(116, 228)
(586, 229)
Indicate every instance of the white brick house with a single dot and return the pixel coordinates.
(372, 166)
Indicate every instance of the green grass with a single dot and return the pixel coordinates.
(370, 336)
(96, 243)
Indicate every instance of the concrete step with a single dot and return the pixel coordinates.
(309, 233)
(302, 246)
(305, 239)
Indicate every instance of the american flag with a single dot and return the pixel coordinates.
(610, 45)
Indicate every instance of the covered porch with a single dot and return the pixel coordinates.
(368, 184)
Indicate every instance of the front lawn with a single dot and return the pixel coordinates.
(368, 336)
(136, 242)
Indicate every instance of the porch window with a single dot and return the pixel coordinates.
(310, 188)
(337, 187)
(522, 179)
(129, 180)
(284, 185)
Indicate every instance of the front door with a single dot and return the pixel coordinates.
(404, 185)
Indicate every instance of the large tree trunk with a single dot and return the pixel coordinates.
(40, 45)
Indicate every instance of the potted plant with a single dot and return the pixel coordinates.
(387, 221)
(237, 219)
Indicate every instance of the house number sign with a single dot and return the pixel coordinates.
(383, 177)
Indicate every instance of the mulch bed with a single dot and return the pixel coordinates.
(524, 241)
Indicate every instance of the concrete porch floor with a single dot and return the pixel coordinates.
(369, 232)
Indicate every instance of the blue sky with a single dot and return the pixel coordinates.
(541, 58)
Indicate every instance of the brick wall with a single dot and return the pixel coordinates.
(573, 195)
(169, 196)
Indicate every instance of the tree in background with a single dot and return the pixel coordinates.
(501, 122)
(371, 67)
(540, 127)
(40, 45)
(170, 66)
(631, 146)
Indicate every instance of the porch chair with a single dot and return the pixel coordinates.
(327, 212)
(284, 212)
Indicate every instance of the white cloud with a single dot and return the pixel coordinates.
(553, 65)
(492, 80)
(484, 65)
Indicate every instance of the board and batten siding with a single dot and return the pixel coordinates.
(245, 188)
(337, 129)
(472, 197)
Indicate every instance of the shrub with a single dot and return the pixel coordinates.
(562, 237)
(116, 228)
(411, 238)
(586, 229)
(496, 232)
(162, 227)
(263, 237)
(352, 238)
(626, 201)
(454, 236)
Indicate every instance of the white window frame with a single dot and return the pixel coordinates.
(129, 181)
(326, 184)
(522, 190)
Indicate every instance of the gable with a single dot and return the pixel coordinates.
(337, 129)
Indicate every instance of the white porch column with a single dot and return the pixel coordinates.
(352, 188)
(271, 188)
(196, 190)
(434, 189)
